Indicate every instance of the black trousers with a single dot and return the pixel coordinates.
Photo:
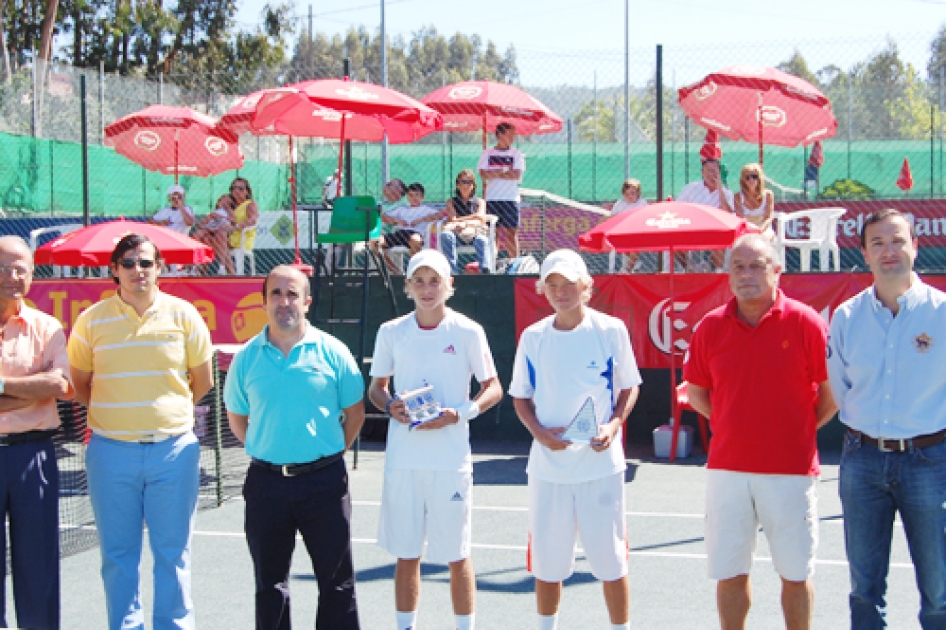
(29, 496)
(318, 506)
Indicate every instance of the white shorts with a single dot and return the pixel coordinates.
(594, 510)
(432, 504)
(785, 505)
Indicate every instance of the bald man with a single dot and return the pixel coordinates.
(34, 372)
(294, 398)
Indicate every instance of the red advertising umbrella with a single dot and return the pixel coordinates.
(175, 140)
(905, 181)
(673, 226)
(238, 118)
(337, 109)
(816, 158)
(92, 246)
(757, 104)
(475, 105)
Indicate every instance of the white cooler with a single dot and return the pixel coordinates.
(663, 436)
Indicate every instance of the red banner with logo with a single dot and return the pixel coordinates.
(232, 307)
(643, 303)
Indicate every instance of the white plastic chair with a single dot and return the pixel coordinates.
(822, 235)
(241, 253)
(399, 254)
(58, 271)
(463, 248)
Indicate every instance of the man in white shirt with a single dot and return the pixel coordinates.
(501, 169)
(177, 216)
(710, 192)
(575, 378)
(428, 476)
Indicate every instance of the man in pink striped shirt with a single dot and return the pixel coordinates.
(34, 372)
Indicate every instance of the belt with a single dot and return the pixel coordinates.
(9, 439)
(293, 470)
(889, 445)
(146, 438)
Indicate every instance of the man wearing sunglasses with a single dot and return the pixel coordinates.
(34, 372)
(140, 360)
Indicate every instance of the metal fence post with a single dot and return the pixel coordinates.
(660, 121)
(83, 106)
(569, 135)
(218, 429)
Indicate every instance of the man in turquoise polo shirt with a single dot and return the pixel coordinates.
(294, 398)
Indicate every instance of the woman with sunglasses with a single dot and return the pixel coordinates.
(246, 214)
(753, 202)
(466, 220)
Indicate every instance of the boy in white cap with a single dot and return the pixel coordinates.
(177, 216)
(428, 475)
(575, 378)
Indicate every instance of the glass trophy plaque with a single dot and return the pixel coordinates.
(421, 405)
(584, 426)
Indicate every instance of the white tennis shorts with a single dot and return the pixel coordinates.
(594, 510)
(786, 506)
(432, 504)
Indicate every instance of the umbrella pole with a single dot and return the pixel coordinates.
(341, 154)
(297, 263)
(673, 369)
(761, 157)
(484, 131)
(176, 145)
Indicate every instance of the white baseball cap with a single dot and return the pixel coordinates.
(429, 258)
(566, 262)
(176, 188)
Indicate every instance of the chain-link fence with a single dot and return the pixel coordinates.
(887, 97)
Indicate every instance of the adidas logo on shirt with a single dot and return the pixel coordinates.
(450, 349)
(456, 497)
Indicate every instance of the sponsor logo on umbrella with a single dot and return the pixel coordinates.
(464, 93)
(667, 221)
(705, 91)
(517, 110)
(357, 94)
(456, 125)
(328, 115)
(216, 146)
(772, 116)
(147, 140)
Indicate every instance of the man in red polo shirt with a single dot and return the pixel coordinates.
(756, 369)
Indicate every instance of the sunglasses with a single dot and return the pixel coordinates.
(129, 263)
(237, 187)
(752, 176)
(468, 182)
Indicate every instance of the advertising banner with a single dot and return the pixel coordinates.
(643, 303)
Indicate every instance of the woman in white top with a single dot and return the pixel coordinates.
(630, 200)
(753, 202)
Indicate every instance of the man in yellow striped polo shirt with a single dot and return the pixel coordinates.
(140, 359)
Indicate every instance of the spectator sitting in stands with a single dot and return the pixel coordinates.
(466, 221)
(630, 200)
(410, 223)
(177, 216)
(214, 230)
(753, 202)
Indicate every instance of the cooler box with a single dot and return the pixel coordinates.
(663, 437)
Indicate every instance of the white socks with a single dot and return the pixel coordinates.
(548, 622)
(621, 626)
(406, 620)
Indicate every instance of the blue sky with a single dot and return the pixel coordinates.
(586, 33)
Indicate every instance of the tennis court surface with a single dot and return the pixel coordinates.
(667, 563)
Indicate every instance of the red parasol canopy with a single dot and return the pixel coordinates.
(92, 246)
(238, 118)
(666, 225)
(816, 158)
(175, 140)
(905, 181)
(475, 105)
(759, 104)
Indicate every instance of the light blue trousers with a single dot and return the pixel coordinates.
(132, 485)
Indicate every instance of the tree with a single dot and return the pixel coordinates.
(796, 65)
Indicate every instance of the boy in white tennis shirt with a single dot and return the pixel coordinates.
(428, 476)
(566, 365)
